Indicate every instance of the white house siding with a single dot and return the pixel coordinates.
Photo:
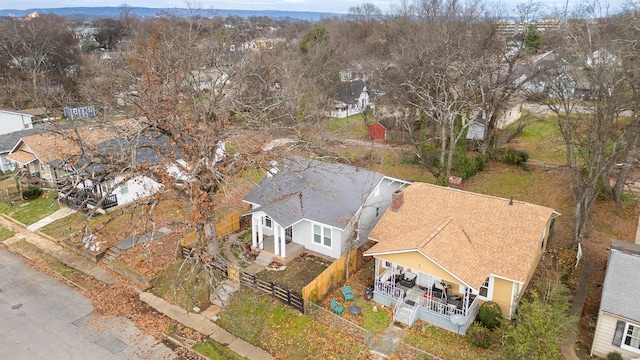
(603, 337)
(307, 240)
(362, 104)
(14, 121)
(376, 205)
(5, 164)
(138, 188)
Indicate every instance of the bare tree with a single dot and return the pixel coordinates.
(40, 58)
(588, 99)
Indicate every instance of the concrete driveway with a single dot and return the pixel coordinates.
(42, 318)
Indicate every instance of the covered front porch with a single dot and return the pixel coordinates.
(291, 251)
(416, 295)
(274, 239)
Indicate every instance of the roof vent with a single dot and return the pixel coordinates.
(455, 182)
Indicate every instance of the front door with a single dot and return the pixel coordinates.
(288, 235)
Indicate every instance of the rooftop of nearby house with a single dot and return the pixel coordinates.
(327, 193)
(471, 235)
(8, 141)
(53, 146)
(621, 289)
(348, 92)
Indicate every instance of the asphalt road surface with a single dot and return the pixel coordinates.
(42, 318)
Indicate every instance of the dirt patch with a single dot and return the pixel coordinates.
(298, 273)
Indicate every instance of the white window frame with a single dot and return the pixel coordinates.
(267, 222)
(489, 288)
(626, 335)
(322, 234)
(124, 188)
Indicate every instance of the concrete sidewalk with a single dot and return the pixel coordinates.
(204, 325)
(567, 346)
(64, 212)
(199, 322)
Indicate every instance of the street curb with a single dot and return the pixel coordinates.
(208, 327)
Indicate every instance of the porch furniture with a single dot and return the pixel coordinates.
(355, 310)
(455, 302)
(347, 293)
(409, 280)
(336, 307)
(439, 290)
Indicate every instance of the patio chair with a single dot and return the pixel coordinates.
(336, 307)
(347, 293)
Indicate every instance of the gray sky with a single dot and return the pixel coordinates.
(334, 6)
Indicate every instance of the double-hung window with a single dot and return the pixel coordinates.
(484, 289)
(322, 235)
(627, 336)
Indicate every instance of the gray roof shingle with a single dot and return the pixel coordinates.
(8, 141)
(315, 190)
(621, 288)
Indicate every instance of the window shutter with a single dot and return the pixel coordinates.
(617, 337)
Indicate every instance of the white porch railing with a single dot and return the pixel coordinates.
(388, 289)
(399, 302)
(447, 310)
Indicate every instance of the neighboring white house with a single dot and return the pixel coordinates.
(11, 121)
(352, 98)
(618, 326)
(476, 128)
(317, 206)
(54, 161)
(118, 191)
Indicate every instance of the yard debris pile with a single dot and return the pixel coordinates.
(276, 266)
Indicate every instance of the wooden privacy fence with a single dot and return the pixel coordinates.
(228, 224)
(224, 226)
(330, 277)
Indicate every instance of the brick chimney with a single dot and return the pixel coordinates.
(397, 199)
(455, 182)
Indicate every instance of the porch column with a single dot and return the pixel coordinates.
(276, 238)
(260, 234)
(254, 228)
(283, 242)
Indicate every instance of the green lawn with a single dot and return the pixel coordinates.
(29, 212)
(541, 138)
(502, 181)
(213, 350)
(352, 127)
(282, 330)
(5, 233)
(448, 345)
(181, 286)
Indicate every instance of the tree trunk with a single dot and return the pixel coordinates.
(618, 188)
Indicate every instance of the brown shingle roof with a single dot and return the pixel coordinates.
(21, 157)
(52, 146)
(470, 235)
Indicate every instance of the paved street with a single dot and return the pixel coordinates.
(42, 318)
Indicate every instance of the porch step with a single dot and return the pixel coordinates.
(112, 253)
(404, 314)
(263, 259)
(223, 292)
